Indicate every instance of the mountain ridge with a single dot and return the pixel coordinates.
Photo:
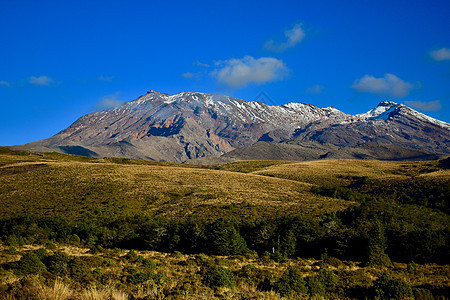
(189, 125)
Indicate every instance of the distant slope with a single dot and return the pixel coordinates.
(310, 150)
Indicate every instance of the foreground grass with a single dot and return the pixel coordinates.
(122, 274)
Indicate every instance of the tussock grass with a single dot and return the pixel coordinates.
(57, 291)
(101, 293)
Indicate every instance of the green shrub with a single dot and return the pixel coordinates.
(57, 263)
(108, 263)
(278, 257)
(411, 267)
(78, 269)
(131, 256)
(328, 278)
(201, 259)
(314, 286)
(40, 253)
(30, 263)
(177, 255)
(423, 294)
(250, 273)
(146, 262)
(12, 240)
(50, 245)
(216, 276)
(291, 282)
(12, 250)
(73, 238)
(389, 287)
(377, 257)
(139, 277)
(23, 241)
(333, 261)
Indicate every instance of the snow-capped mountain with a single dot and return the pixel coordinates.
(188, 125)
(389, 123)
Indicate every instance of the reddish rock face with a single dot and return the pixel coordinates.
(189, 125)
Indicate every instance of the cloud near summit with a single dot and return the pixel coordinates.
(238, 73)
(389, 85)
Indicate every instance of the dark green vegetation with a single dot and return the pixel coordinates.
(377, 217)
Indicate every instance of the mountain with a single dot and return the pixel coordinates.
(188, 125)
(389, 124)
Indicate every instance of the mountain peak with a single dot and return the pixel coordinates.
(382, 111)
(156, 92)
(387, 103)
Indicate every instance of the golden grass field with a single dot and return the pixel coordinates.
(42, 185)
(51, 183)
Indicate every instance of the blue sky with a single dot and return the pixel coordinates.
(62, 59)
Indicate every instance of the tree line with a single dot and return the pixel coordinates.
(374, 232)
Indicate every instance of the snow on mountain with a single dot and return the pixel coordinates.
(385, 109)
(381, 111)
(188, 125)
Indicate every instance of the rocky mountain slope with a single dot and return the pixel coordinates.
(311, 150)
(389, 124)
(186, 126)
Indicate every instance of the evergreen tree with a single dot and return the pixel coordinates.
(223, 238)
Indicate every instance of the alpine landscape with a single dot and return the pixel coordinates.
(336, 186)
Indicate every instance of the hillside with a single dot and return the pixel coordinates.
(64, 185)
(67, 185)
(311, 150)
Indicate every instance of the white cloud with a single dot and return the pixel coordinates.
(441, 54)
(5, 83)
(425, 106)
(389, 85)
(188, 75)
(41, 80)
(107, 102)
(293, 37)
(200, 64)
(315, 89)
(105, 78)
(237, 73)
